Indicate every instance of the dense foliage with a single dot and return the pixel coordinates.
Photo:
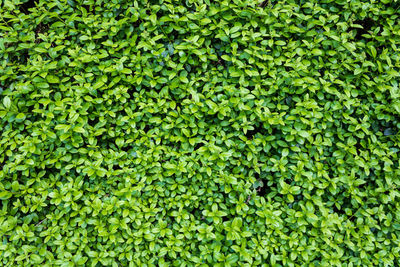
(199, 133)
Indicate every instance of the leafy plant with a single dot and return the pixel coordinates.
(196, 133)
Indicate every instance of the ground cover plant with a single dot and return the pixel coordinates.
(199, 133)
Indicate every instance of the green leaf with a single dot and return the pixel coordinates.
(126, 71)
(153, 19)
(5, 195)
(40, 50)
(183, 79)
(20, 116)
(79, 129)
(285, 152)
(7, 102)
(52, 79)
(304, 134)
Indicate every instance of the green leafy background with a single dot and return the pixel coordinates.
(199, 133)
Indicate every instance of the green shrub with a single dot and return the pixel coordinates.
(199, 133)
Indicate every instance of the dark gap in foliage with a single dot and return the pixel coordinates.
(321, 72)
(88, 8)
(392, 126)
(264, 3)
(257, 129)
(263, 186)
(289, 101)
(24, 57)
(344, 202)
(118, 12)
(27, 5)
(40, 28)
(53, 170)
(195, 211)
(341, 211)
(146, 128)
(367, 24)
(124, 148)
(387, 128)
(358, 145)
(198, 145)
(262, 191)
(92, 122)
(369, 181)
(218, 52)
(116, 167)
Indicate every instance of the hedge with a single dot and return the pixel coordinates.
(199, 133)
